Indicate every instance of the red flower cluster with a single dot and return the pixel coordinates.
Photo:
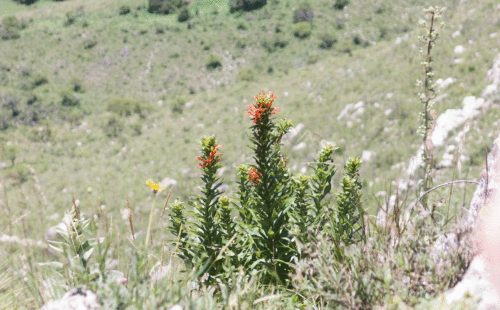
(254, 176)
(211, 160)
(262, 106)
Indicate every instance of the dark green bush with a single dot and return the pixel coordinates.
(70, 19)
(340, 4)
(39, 79)
(184, 15)
(241, 25)
(245, 5)
(25, 2)
(304, 13)
(246, 74)
(214, 62)
(165, 7)
(125, 107)
(302, 30)
(69, 99)
(327, 40)
(271, 44)
(124, 10)
(76, 84)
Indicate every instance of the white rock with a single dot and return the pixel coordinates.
(445, 83)
(75, 299)
(492, 35)
(168, 181)
(388, 112)
(294, 131)
(389, 95)
(459, 49)
(457, 61)
(345, 111)
(359, 105)
(125, 213)
(455, 34)
(367, 155)
(299, 146)
(490, 89)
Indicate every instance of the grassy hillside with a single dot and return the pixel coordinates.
(72, 59)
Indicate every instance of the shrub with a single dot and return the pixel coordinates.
(165, 7)
(136, 128)
(69, 99)
(39, 79)
(214, 62)
(241, 43)
(11, 22)
(21, 173)
(327, 40)
(113, 126)
(178, 105)
(302, 30)
(124, 10)
(245, 5)
(344, 46)
(246, 74)
(11, 153)
(184, 15)
(241, 25)
(32, 98)
(9, 33)
(271, 44)
(304, 13)
(76, 84)
(340, 4)
(312, 58)
(25, 2)
(125, 106)
(70, 19)
(89, 42)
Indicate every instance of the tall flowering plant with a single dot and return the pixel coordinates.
(275, 208)
(272, 246)
(207, 232)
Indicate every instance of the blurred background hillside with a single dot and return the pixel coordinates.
(96, 96)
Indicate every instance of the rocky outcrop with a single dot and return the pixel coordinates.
(482, 218)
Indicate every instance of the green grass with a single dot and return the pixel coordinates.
(114, 167)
